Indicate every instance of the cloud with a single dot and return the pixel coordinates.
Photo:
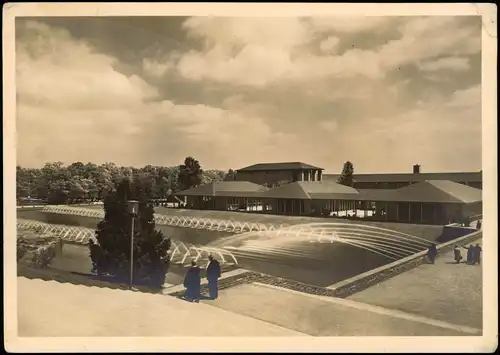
(349, 24)
(257, 52)
(329, 44)
(52, 70)
(383, 92)
(449, 63)
(73, 105)
(155, 68)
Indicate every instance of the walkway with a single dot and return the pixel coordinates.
(443, 291)
(50, 308)
(327, 316)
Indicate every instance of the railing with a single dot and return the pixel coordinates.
(180, 253)
(178, 221)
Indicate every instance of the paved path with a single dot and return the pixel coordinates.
(53, 309)
(324, 316)
(443, 291)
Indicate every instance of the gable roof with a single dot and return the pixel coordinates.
(403, 177)
(279, 166)
(225, 188)
(306, 190)
(443, 191)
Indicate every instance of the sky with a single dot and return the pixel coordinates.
(382, 92)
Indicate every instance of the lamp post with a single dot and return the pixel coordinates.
(133, 208)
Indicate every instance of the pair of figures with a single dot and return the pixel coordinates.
(192, 281)
(473, 254)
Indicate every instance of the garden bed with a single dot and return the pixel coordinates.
(37, 249)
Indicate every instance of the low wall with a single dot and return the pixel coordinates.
(453, 232)
(362, 281)
(50, 274)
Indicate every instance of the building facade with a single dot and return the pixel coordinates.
(274, 174)
(398, 180)
(431, 202)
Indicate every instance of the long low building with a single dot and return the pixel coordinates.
(397, 180)
(429, 202)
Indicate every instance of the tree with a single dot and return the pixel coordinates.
(230, 176)
(346, 177)
(110, 253)
(53, 183)
(26, 181)
(281, 183)
(209, 176)
(190, 174)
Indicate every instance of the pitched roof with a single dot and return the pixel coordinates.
(280, 166)
(225, 188)
(443, 191)
(402, 177)
(306, 190)
(386, 195)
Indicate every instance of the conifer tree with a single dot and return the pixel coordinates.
(346, 177)
(110, 254)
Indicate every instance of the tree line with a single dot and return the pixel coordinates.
(56, 183)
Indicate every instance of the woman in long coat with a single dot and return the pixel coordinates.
(470, 254)
(458, 254)
(192, 283)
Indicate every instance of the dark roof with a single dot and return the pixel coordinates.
(280, 166)
(443, 191)
(225, 188)
(306, 190)
(403, 177)
(432, 191)
(386, 195)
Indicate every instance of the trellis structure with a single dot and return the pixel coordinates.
(180, 253)
(178, 221)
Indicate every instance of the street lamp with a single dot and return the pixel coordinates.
(133, 209)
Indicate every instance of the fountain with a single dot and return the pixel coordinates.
(180, 253)
(291, 241)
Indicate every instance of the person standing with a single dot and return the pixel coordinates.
(477, 254)
(192, 283)
(213, 274)
(458, 254)
(470, 254)
(432, 253)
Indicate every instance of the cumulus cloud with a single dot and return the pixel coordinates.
(257, 52)
(73, 105)
(236, 91)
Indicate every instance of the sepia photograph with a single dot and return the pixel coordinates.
(260, 174)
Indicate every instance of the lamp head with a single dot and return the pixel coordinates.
(133, 207)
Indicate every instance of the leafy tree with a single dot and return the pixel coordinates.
(346, 177)
(26, 181)
(53, 184)
(79, 181)
(110, 254)
(209, 176)
(190, 174)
